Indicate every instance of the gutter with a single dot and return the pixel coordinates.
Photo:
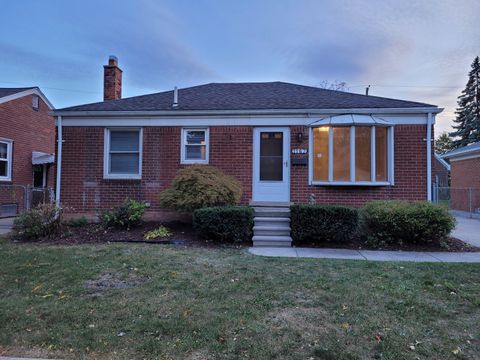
(462, 152)
(304, 112)
(429, 156)
(59, 160)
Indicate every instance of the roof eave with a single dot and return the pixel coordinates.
(20, 94)
(462, 153)
(410, 110)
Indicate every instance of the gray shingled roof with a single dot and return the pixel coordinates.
(464, 150)
(10, 91)
(248, 96)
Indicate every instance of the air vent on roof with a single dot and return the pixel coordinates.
(175, 97)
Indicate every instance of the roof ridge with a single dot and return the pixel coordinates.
(248, 96)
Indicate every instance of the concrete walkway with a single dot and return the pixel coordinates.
(6, 225)
(371, 255)
(467, 230)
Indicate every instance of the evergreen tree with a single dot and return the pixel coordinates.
(467, 123)
(443, 144)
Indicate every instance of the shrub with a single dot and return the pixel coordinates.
(224, 224)
(399, 222)
(199, 186)
(126, 215)
(78, 222)
(43, 220)
(319, 223)
(160, 232)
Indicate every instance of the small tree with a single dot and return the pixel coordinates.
(467, 128)
(199, 186)
(336, 85)
(443, 144)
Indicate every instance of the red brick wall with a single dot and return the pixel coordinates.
(410, 173)
(83, 186)
(30, 130)
(465, 175)
(231, 149)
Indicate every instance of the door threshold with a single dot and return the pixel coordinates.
(271, 203)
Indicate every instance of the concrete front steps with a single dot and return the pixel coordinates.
(271, 225)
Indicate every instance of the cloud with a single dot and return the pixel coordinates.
(148, 42)
(26, 63)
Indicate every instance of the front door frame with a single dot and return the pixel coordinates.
(256, 191)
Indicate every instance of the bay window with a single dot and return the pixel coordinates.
(194, 146)
(5, 160)
(351, 155)
(123, 153)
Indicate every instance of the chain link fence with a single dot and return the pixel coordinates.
(16, 199)
(464, 200)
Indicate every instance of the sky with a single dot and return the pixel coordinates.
(417, 50)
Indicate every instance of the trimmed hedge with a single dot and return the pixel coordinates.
(391, 222)
(319, 223)
(224, 223)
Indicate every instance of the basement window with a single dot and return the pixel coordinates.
(194, 146)
(5, 160)
(123, 153)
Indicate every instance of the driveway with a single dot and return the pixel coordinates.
(6, 225)
(467, 230)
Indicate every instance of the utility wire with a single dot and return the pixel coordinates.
(408, 86)
(51, 88)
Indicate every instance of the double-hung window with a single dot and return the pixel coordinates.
(194, 146)
(351, 155)
(5, 160)
(123, 153)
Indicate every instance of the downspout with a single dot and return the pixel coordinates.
(429, 156)
(59, 160)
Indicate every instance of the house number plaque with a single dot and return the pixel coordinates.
(299, 151)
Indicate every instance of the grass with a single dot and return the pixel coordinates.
(169, 302)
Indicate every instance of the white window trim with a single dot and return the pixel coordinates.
(352, 182)
(9, 144)
(106, 155)
(183, 142)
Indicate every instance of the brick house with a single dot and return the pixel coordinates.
(441, 171)
(27, 145)
(284, 142)
(465, 177)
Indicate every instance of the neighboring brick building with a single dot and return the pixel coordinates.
(465, 177)
(441, 172)
(27, 144)
(284, 142)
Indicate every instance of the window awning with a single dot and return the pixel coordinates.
(351, 119)
(40, 158)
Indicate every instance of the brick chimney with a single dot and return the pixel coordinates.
(112, 80)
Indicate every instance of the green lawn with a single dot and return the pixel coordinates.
(225, 303)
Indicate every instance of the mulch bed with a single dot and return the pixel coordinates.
(184, 235)
(452, 245)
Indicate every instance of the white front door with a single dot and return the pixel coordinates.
(271, 164)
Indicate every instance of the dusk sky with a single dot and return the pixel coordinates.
(414, 50)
